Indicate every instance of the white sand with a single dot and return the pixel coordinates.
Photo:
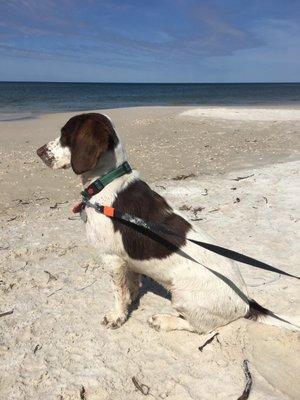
(244, 114)
(52, 345)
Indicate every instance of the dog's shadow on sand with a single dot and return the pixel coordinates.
(148, 285)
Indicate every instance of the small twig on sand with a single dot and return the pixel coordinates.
(54, 292)
(239, 178)
(248, 386)
(184, 207)
(50, 276)
(208, 341)
(37, 347)
(90, 284)
(57, 204)
(183, 177)
(21, 201)
(12, 219)
(198, 209)
(6, 313)
(82, 393)
(144, 389)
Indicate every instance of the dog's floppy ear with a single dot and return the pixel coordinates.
(87, 146)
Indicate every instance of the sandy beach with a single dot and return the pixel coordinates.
(235, 173)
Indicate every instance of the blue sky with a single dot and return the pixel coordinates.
(150, 41)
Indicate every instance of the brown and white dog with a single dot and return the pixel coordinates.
(203, 302)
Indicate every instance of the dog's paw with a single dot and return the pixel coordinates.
(113, 320)
(158, 322)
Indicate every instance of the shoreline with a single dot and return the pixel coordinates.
(31, 115)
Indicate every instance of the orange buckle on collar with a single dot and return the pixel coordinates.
(109, 211)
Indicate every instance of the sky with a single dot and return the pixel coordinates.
(150, 41)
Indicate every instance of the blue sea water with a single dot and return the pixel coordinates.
(29, 99)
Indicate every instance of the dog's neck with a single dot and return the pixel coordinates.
(107, 162)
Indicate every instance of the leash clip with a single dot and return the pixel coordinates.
(98, 207)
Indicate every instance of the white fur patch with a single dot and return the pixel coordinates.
(61, 155)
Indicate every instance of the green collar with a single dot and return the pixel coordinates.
(100, 183)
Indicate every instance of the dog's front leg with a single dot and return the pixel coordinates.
(122, 293)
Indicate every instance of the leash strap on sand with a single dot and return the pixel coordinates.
(148, 229)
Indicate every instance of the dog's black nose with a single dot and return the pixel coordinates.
(42, 151)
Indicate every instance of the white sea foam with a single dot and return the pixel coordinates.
(15, 116)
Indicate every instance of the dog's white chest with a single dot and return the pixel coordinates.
(100, 233)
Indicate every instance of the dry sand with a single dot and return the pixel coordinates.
(53, 347)
(245, 114)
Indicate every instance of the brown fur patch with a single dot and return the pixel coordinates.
(140, 200)
(88, 136)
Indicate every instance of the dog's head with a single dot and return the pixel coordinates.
(83, 140)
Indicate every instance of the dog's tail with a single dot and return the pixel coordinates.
(262, 314)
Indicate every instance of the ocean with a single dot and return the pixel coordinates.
(20, 100)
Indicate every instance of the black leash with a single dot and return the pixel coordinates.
(222, 251)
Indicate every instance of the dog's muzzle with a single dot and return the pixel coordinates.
(44, 153)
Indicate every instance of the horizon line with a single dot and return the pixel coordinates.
(152, 83)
